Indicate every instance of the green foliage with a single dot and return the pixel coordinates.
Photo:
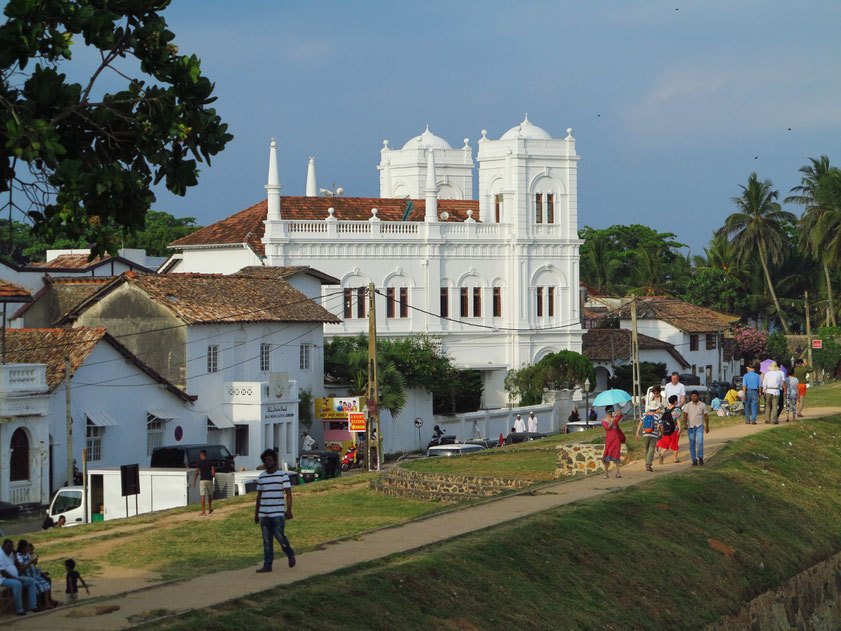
(777, 348)
(712, 288)
(305, 408)
(159, 231)
(418, 360)
(651, 374)
(22, 245)
(555, 371)
(90, 158)
(828, 357)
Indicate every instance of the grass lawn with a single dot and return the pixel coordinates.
(228, 540)
(639, 559)
(824, 396)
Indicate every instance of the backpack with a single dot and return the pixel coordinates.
(649, 424)
(669, 424)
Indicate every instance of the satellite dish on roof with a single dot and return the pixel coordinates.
(444, 216)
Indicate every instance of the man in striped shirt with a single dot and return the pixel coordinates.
(273, 508)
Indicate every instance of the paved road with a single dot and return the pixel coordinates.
(214, 589)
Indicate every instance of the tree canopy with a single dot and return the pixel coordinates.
(82, 161)
(555, 371)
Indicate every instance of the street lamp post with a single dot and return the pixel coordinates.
(587, 402)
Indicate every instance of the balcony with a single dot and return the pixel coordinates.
(24, 390)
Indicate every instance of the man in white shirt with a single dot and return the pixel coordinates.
(677, 388)
(307, 442)
(519, 424)
(10, 577)
(773, 387)
(532, 423)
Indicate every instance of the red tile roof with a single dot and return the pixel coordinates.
(64, 293)
(288, 271)
(50, 346)
(682, 315)
(596, 345)
(80, 262)
(9, 292)
(219, 298)
(247, 226)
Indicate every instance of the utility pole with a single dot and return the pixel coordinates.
(808, 335)
(69, 417)
(635, 361)
(373, 442)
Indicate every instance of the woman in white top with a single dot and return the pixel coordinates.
(654, 399)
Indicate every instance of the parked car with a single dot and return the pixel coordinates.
(187, 456)
(454, 449)
(487, 443)
(522, 437)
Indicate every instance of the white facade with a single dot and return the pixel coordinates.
(403, 172)
(507, 285)
(250, 409)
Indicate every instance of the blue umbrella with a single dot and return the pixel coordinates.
(611, 397)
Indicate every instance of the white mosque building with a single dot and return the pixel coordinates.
(494, 278)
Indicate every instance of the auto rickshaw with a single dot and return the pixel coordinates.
(318, 465)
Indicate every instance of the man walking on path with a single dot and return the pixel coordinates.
(697, 424)
(751, 386)
(801, 369)
(206, 471)
(677, 388)
(519, 424)
(773, 388)
(273, 508)
(649, 425)
(10, 577)
(532, 423)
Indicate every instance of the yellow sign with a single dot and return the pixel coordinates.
(356, 421)
(337, 408)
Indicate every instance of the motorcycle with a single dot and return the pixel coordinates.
(440, 438)
(353, 458)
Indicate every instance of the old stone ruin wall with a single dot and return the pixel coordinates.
(582, 458)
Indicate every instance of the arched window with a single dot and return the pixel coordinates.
(19, 458)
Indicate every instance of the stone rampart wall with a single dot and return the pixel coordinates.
(582, 458)
(421, 485)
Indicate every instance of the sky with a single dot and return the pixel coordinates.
(673, 104)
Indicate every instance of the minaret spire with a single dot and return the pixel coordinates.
(431, 189)
(312, 189)
(273, 185)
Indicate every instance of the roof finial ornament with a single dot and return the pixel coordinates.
(526, 119)
(427, 128)
(484, 134)
(569, 132)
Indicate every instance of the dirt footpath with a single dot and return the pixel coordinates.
(136, 606)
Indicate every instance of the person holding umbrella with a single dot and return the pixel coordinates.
(613, 439)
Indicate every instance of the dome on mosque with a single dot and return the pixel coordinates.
(427, 140)
(526, 130)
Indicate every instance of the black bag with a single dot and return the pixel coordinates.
(669, 424)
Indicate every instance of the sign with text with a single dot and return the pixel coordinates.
(817, 343)
(336, 408)
(356, 420)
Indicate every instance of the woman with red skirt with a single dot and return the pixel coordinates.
(669, 441)
(613, 439)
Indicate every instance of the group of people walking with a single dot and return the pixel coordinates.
(667, 415)
(780, 390)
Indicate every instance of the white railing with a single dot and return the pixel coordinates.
(399, 227)
(354, 227)
(492, 423)
(331, 228)
(487, 229)
(20, 492)
(20, 378)
(315, 226)
(547, 230)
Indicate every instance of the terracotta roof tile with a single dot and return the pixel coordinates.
(70, 261)
(10, 292)
(64, 293)
(680, 314)
(218, 298)
(49, 346)
(247, 226)
(596, 345)
(288, 271)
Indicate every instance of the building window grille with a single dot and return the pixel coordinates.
(389, 302)
(154, 433)
(463, 300)
(93, 442)
(693, 343)
(265, 357)
(711, 341)
(213, 358)
(360, 302)
(498, 207)
(404, 302)
(348, 303)
(550, 303)
(477, 302)
(497, 306)
(550, 208)
(305, 357)
(538, 208)
(540, 302)
(445, 302)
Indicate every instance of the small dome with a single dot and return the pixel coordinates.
(526, 130)
(427, 140)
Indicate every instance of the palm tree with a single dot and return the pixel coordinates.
(648, 272)
(600, 262)
(819, 195)
(722, 254)
(757, 227)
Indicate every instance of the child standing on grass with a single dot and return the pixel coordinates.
(73, 580)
